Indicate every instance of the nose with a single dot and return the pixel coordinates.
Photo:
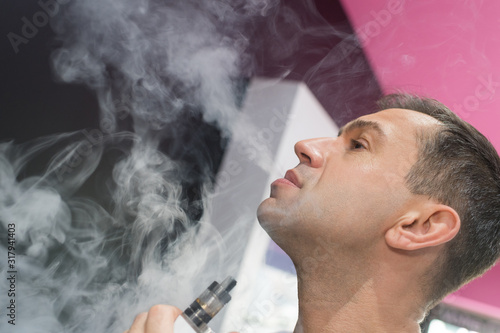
(312, 152)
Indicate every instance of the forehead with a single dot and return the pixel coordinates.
(401, 122)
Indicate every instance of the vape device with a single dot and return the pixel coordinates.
(196, 317)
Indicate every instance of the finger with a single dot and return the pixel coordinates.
(161, 318)
(139, 324)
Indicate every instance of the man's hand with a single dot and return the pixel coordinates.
(159, 319)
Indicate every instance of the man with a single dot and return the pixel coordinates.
(382, 222)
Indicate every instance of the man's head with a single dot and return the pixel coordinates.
(458, 167)
(404, 180)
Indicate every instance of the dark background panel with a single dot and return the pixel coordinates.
(300, 40)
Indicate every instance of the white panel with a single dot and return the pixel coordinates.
(277, 114)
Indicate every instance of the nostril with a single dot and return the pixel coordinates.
(305, 156)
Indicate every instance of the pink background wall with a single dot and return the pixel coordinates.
(448, 50)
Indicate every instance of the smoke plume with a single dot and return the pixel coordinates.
(110, 220)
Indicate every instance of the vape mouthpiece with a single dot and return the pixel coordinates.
(208, 304)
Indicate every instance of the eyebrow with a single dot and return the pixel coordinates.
(362, 124)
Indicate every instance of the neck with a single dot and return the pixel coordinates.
(354, 301)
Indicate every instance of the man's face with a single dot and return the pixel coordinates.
(346, 190)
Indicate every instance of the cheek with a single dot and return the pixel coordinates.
(358, 195)
(378, 196)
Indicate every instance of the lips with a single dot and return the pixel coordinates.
(290, 180)
(292, 177)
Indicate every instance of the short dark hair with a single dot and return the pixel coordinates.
(459, 167)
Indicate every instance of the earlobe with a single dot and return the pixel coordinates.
(433, 225)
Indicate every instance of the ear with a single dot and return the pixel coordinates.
(431, 225)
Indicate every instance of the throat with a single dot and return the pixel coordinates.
(349, 306)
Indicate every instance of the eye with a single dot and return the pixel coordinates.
(355, 144)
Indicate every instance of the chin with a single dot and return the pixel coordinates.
(269, 215)
(275, 222)
(265, 210)
(272, 217)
